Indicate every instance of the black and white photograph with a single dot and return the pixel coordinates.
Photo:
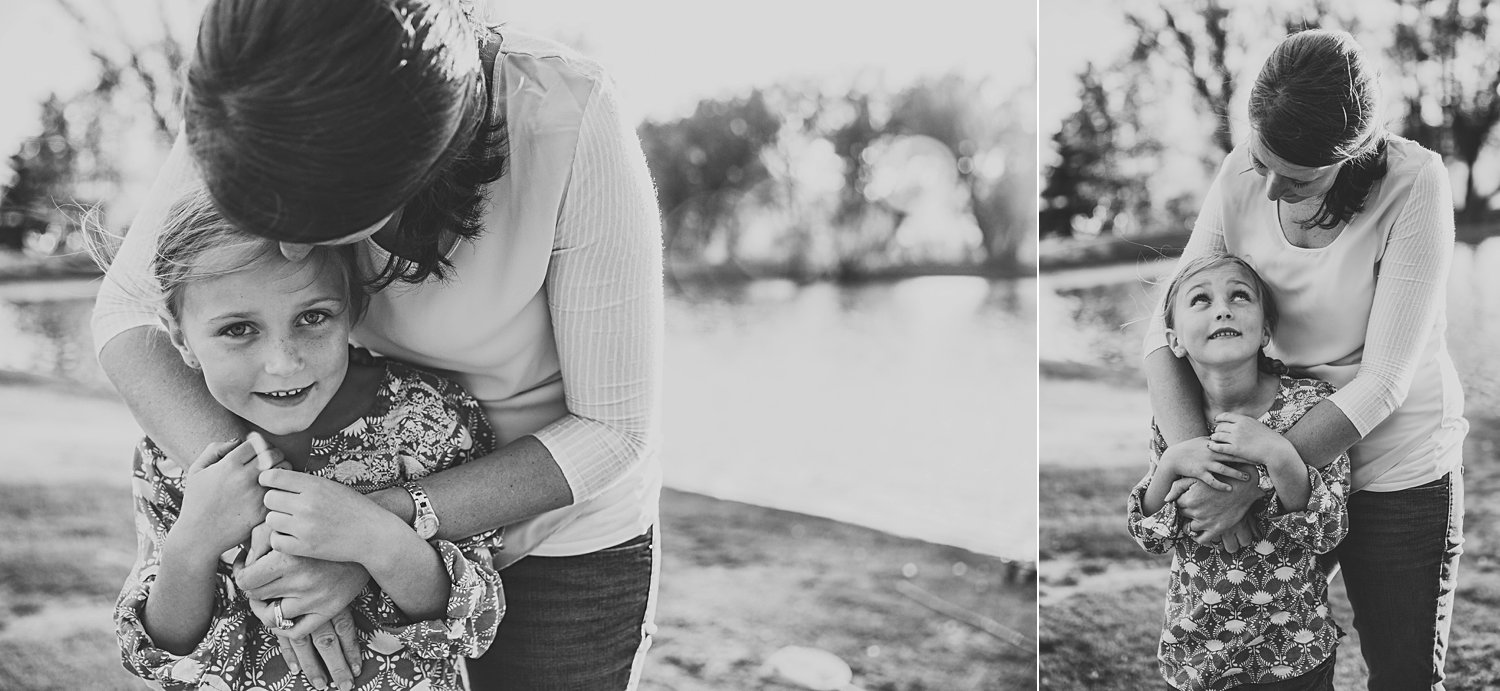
(1268, 390)
(508, 344)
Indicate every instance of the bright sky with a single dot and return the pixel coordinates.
(665, 54)
(670, 53)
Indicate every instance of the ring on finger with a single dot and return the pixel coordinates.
(282, 622)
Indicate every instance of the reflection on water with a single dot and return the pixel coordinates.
(907, 406)
(1095, 317)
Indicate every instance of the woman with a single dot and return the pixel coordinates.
(505, 209)
(1352, 228)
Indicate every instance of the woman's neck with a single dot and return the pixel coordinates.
(1240, 388)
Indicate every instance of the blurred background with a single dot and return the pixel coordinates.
(1138, 103)
(848, 197)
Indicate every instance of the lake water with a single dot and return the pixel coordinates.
(909, 406)
(1095, 317)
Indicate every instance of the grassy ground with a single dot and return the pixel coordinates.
(739, 581)
(1101, 597)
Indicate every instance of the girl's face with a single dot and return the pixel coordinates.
(272, 339)
(1218, 317)
(1286, 181)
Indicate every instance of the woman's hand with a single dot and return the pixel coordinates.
(1245, 438)
(1194, 459)
(222, 499)
(318, 518)
(329, 653)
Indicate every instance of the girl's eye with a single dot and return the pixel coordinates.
(1240, 295)
(237, 330)
(1197, 299)
(314, 317)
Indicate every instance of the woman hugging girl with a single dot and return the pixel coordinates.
(271, 339)
(1258, 617)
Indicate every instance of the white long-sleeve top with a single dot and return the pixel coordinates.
(1366, 313)
(552, 318)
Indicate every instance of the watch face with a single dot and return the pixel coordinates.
(426, 527)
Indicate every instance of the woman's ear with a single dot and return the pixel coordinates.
(174, 332)
(1175, 344)
(1265, 337)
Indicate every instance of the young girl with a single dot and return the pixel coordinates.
(1257, 617)
(271, 340)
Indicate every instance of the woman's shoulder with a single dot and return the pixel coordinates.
(552, 60)
(1406, 158)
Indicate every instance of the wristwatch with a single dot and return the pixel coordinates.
(425, 522)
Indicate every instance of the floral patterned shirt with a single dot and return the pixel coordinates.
(419, 423)
(1261, 614)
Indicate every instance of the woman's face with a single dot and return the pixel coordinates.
(1218, 317)
(272, 340)
(1286, 181)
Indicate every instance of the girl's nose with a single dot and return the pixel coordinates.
(284, 358)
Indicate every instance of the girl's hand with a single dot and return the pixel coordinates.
(1246, 438)
(1197, 461)
(1211, 515)
(222, 499)
(310, 516)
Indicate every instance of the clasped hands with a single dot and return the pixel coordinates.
(1214, 491)
(303, 553)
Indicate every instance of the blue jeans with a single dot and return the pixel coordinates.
(574, 623)
(1400, 565)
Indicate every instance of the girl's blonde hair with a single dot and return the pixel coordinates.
(1214, 260)
(196, 242)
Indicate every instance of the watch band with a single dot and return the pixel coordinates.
(424, 520)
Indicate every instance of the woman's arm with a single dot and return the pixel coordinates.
(604, 291)
(1176, 395)
(1411, 278)
(166, 397)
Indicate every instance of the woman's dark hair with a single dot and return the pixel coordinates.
(1214, 260)
(314, 119)
(1316, 103)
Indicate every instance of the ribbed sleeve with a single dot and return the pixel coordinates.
(1409, 285)
(1207, 238)
(604, 290)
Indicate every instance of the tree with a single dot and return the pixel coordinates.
(992, 139)
(146, 65)
(1452, 65)
(44, 177)
(703, 162)
(1208, 42)
(1104, 155)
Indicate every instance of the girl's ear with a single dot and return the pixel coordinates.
(1175, 344)
(174, 332)
(1265, 337)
